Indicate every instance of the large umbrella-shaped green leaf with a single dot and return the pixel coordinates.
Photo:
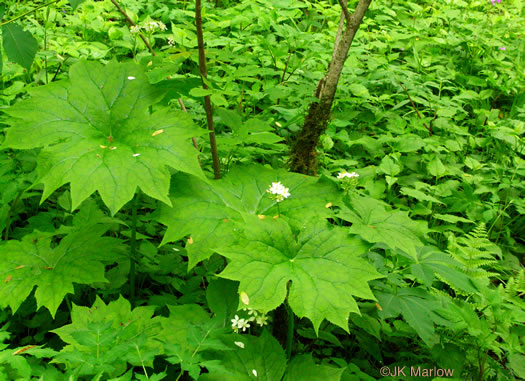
(322, 263)
(104, 338)
(99, 135)
(206, 211)
(80, 257)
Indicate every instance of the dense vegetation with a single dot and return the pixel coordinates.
(123, 259)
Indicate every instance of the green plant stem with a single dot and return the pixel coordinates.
(10, 213)
(142, 361)
(290, 332)
(28, 12)
(68, 304)
(133, 250)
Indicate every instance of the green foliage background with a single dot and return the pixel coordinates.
(122, 260)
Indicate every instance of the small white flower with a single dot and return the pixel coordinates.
(344, 174)
(171, 41)
(134, 29)
(261, 320)
(235, 323)
(259, 317)
(240, 344)
(278, 191)
(243, 324)
(136, 154)
(239, 324)
(131, 78)
(254, 372)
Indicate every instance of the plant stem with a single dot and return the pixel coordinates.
(68, 304)
(10, 212)
(133, 249)
(207, 101)
(416, 109)
(142, 361)
(28, 12)
(286, 66)
(130, 21)
(289, 334)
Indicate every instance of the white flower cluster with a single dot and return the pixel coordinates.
(135, 29)
(278, 191)
(344, 174)
(171, 41)
(258, 317)
(238, 323)
(348, 180)
(154, 25)
(149, 27)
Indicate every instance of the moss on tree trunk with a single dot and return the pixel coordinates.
(303, 157)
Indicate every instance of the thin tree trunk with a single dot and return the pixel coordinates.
(303, 158)
(207, 101)
(339, 32)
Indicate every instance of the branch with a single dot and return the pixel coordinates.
(361, 9)
(339, 33)
(130, 21)
(347, 14)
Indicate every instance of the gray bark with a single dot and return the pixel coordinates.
(303, 158)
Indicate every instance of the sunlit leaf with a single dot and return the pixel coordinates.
(92, 127)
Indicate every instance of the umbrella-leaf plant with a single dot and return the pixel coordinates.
(318, 268)
(98, 133)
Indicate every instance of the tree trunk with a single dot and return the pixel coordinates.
(303, 158)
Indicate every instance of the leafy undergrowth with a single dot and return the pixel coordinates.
(122, 260)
